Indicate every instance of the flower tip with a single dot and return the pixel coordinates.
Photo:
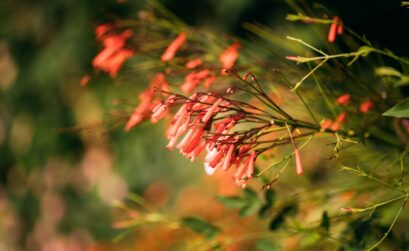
(299, 171)
(85, 80)
(292, 58)
(366, 106)
(208, 169)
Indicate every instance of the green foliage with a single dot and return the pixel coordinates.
(325, 221)
(232, 201)
(279, 217)
(202, 227)
(270, 198)
(247, 205)
(267, 245)
(400, 110)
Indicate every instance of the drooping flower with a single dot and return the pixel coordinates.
(150, 104)
(245, 170)
(229, 56)
(298, 164)
(366, 106)
(210, 123)
(195, 127)
(335, 29)
(141, 111)
(174, 47)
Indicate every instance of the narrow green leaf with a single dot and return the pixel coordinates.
(269, 196)
(200, 226)
(289, 210)
(387, 71)
(250, 194)
(231, 201)
(276, 222)
(248, 209)
(400, 110)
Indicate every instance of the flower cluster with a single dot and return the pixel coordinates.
(206, 122)
(335, 29)
(115, 52)
(197, 73)
(344, 100)
(231, 133)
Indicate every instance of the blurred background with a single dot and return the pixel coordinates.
(57, 187)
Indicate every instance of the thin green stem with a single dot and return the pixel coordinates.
(324, 95)
(308, 74)
(286, 157)
(391, 55)
(301, 98)
(390, 227)
(308, 45)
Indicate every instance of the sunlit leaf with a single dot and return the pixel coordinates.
(400, 110)
(387, 71)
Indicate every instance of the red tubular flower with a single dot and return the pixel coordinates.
(340, 119)
(209, 81)
(217, 158)
(193, 154)
(208, 121)
(114, 54)
(292, 58)
(227, 159)
(344, 99)
(245, 170)
(298, 164)
(150, 104)
(340, 28)
(213, 109)
(229, 56)
(194, 141)
(141, 111)
(160, 110)
(250, 167)
(366, 106)
(174, 47)
(326, 124)
(194, 63)
(193, 79)
(102, 29)
(334, 29)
